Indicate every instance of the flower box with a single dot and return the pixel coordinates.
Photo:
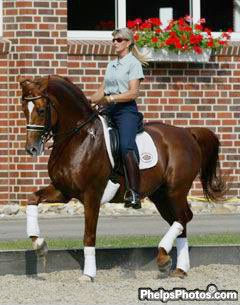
(181, 40)
(168, 55)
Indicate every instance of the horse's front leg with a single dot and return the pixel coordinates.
(48, 194)
(91, 210)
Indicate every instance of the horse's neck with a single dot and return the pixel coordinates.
(71, 106)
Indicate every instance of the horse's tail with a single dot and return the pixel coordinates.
(213, 183)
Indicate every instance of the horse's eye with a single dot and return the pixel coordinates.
(41, 111)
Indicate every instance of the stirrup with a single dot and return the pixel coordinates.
(132, 199)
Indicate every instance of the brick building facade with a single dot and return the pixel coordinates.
(35, 43)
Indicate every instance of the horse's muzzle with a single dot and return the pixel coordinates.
(34, 149)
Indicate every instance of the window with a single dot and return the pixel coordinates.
(165, 9)
(219, 15)
(223, 19)
(94, 19)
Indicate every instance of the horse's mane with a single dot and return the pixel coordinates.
(64, 83)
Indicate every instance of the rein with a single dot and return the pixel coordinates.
(72, 131)
(47, 128)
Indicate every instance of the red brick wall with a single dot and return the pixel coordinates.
(182, 94)
(38, 32)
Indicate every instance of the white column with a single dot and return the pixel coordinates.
(236, 16)
(165, 15)
(120, 13)
(196, 10)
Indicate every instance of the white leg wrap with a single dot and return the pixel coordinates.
(32, 220)
(168, 239)
(110, 191)
(183, 261)
(89, 262)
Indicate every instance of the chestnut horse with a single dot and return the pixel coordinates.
(79, 167)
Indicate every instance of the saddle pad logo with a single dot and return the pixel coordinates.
(146, 157)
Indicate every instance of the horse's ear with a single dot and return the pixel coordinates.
(23, 80)
(41, 82)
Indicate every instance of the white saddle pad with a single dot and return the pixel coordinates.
(146, 147)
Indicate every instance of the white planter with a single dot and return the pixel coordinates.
(167, 55)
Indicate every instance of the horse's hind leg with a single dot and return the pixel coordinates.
(48, 194)
(164, 261)
(177, 213)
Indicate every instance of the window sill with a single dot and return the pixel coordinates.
(104, 47)
(90, 47)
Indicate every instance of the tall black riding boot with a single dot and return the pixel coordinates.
(132, 176)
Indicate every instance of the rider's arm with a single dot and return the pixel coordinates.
(98, 95)
(131, 94)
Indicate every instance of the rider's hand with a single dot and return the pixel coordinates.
(92, 104)
(103, 101)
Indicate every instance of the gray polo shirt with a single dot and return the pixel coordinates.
(120, 71)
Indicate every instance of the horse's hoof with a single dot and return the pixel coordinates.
(86, 279)
(178, 273)
(166, 265)
(40, 246)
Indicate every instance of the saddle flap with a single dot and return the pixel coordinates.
(146, 147)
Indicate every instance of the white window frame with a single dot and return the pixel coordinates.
(1, 19)
(195, 11)
(120, 22)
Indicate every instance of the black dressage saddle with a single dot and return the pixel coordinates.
(115, 143)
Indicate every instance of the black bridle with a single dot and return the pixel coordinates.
(47, 129)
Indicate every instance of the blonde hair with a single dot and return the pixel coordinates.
(128, 34)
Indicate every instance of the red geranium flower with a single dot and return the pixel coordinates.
(198, 27)
(145, 25)
(210, 43)
(155, 39)
(208, 31)
(155, 21)
(197, 49)
(136, 37)
(222, 42)
(202, 20)
(179, 35)
(138, 21)
(195, 39)
(181, 22)
(131, 24)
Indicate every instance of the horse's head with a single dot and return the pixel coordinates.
(38, 112)
(52, 104)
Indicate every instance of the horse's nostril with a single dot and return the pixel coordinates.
(32, 151)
